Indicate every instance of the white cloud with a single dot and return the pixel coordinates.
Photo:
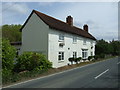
(15, 8)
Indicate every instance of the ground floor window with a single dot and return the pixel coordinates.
(61, 56)
(74, 54)
(84, 53)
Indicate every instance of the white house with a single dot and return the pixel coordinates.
(56, 39)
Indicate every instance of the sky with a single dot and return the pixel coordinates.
(101, 17)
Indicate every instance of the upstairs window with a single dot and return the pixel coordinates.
(74, 39)
(61, 37)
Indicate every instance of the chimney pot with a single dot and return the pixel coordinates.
(69, 20)
(85, 27)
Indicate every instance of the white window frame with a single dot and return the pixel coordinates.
(84, 53)
(61, 37)
(61, 56)
(74, 54)
(74, 39)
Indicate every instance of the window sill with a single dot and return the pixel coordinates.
(60, 61)
(60, 40)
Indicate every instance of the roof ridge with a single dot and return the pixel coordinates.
(59, 25)
(56, 19)
(49, 16)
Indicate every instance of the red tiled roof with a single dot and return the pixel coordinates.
(60, 25)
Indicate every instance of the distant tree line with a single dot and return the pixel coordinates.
(107, 48)
(11, 32)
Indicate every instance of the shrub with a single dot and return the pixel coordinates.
(96, 57)
(8, 55)
(6, 75)
(102, 56)
(32, 61)
(71, 59)
(77, 59)
(90, 58)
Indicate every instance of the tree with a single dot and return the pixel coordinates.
(116, 47)
(101, 47)
(8, 55)
(104, 48)
(11, 32)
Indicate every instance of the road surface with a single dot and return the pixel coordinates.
(102, 74)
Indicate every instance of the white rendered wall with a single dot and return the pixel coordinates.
(77, 47)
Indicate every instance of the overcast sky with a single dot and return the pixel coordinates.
(101, 17)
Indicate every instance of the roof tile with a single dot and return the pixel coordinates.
(62, 26)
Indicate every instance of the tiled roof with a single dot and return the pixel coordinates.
(61, 26)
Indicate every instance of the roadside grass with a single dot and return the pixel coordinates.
(20, 77)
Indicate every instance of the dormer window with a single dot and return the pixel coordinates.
(74, 39)
(61, 37)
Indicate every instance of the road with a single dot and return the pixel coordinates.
(102, 74)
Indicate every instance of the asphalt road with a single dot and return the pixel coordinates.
(98, 75)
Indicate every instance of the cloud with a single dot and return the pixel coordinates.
(14, 12)
(15, 8)
(109, 36)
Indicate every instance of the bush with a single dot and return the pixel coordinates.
(32, 61)
(6, 75)
(71, 59)
(8, 55)
(90, 58)
(77, 59)
(102, 56)
(96, 57)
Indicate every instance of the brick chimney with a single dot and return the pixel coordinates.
(85, 27)
(69, 20)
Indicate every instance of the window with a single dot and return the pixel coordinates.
(74, 39)
(84, 42)
(61, 37)
(74, 54)
(91, 53)
(61, 56)
(84, 53)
